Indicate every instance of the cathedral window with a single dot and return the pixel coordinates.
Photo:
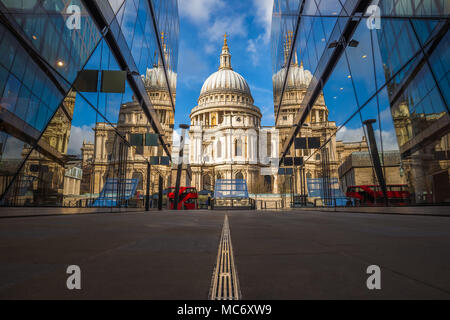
(268, 183)
(219, 149)
(238, 147)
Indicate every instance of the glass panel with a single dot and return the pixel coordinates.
(81, 154)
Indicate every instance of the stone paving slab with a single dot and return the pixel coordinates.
(278, 255)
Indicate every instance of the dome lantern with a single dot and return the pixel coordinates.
(225, 57)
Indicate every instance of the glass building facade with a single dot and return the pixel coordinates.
(80, 82)
(385, 61)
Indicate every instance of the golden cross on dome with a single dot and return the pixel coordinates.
(225, 36)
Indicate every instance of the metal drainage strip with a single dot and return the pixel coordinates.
(225, 283)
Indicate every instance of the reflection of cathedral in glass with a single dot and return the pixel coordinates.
(69, 92)
(48, 170)
(133, 124)
(419, 99)
(317, 123)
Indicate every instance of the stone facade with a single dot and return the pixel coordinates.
(357, 169)
(226, 134)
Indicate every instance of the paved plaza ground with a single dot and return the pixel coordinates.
(301, 254)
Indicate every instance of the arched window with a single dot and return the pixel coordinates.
(219, 149)
(239, 176)
(219, 176)
(267, 183)
(207, 182)
(238, 147)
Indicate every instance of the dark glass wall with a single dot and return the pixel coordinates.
(351, 61)
(65, 134)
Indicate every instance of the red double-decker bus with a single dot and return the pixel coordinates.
(188, 199)
(371, 194)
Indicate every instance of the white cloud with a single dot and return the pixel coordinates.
(356, 135)
(254, 48)
(176, 147)
(386, 115)
(350, 135)
(77, 136)
(251, 46)
(213, 18)
(389, 140)
(263, 17)
(264, 10)
(176, 138)
(199, 11)
(232, 25)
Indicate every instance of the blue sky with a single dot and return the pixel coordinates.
(202, 26)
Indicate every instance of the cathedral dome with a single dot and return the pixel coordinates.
(225, 92)
(225, 80)
(155, 78)
(298, 77)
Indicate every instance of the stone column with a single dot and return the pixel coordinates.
(249, 149)
(230, 145)
(275, 184)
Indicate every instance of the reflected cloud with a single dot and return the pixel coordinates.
(77, 136)
(355, 135)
